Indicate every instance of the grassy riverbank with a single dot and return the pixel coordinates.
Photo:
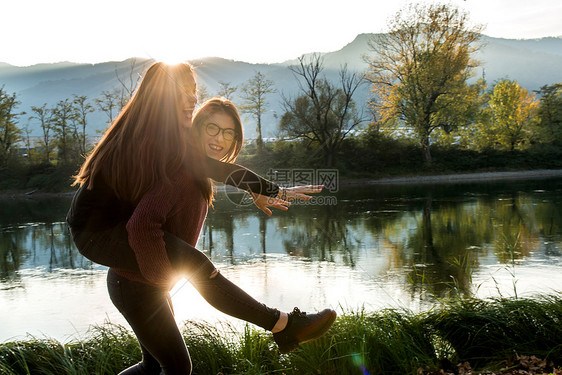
(485, 335)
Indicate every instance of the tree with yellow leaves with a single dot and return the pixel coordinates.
(419, 70)
(9, 132)
(513, 110)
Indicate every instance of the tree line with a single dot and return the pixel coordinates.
(426, 107)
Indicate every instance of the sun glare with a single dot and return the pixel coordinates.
(168, 53)
(169, 57)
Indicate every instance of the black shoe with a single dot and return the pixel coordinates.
(303, 327)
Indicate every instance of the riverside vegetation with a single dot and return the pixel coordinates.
(370, 155)
(506, 335)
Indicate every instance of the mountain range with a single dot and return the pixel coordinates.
(531, 62)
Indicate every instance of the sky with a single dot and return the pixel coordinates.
(255, 31)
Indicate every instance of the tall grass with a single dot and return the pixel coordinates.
(108, 348)
(485, 333)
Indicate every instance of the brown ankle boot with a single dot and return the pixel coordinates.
(303, 327)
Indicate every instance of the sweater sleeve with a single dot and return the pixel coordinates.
(146, 235)
(240, 177)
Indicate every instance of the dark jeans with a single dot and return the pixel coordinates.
(148, 309)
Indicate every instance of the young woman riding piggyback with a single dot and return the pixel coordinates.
(143, 198)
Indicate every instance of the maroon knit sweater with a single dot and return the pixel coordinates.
(179, 209)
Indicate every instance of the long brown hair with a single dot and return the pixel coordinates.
(147, 143)
(225, 106)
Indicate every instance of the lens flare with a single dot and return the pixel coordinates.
(359, 361)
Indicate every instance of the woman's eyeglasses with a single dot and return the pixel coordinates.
(214, 129)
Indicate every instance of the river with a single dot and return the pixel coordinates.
(371, 247)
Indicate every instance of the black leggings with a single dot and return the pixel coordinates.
(148, 309)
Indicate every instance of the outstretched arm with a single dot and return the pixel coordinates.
(240, 177)
(264, 192)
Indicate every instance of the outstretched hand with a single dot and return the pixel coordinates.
(264, 202)
(282, 201)
(299, 192)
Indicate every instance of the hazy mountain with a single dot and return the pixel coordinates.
(533, 63)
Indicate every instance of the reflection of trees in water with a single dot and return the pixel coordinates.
(547, 210)
(318, 233)
(222, 226)
(263, 233)
(220, 223)
(518, 234)
(440, 233)
(11, 252)
(321, 234)
(549, 226)
(443, 248)
(48, 245)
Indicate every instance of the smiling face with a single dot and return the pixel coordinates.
(218, 128)
(215, 134)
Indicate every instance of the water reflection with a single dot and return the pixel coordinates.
(46, 245)
(437, 236)
(401, 245)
